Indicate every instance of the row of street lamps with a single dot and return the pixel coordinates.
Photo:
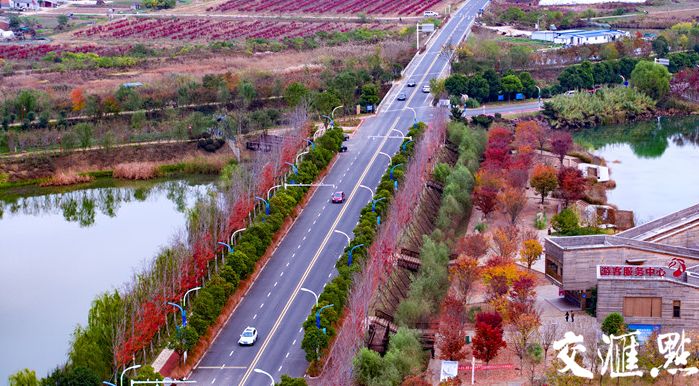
(121, 379)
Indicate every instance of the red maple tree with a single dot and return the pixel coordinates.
(572, 184)
(487, 342)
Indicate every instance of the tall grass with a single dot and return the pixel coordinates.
(197, 165)
(136, 171)
(605, 107)
(66, 179)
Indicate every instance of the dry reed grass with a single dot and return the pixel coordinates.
(66, 179)
(136, 171)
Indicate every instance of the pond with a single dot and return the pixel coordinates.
(61, 247)
(653, 164)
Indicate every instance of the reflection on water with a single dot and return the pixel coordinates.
(647, 139)
(51, 269)
(653, 165)
(81, 205)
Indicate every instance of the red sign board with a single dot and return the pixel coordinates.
(488, 367)
(634, 271)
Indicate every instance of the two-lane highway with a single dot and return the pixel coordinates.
(306, 257)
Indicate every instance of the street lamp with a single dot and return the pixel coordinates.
(297, 157)
(108, 383)
(296, 170)
(266, 203)
(332, 114)
(414, 116)
(624, 79)
(373, 203)
(184, 298)
(313, 145)
(412, 140)
(235, 233)
(344, 234)
(318, 315)
(127, 369)
(332, 121)
(184, 316)
(394, 168)
(265, 373)
(312, 293)
(539, 88)
(230, 250)
(349, 263)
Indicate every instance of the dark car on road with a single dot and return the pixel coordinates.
(411, 83)
(342, 149)
(338, 197)
(401, 96)
(345, 138)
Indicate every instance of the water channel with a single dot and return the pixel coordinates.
(61, 247)
(653, 164)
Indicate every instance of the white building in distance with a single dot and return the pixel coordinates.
(578, 37)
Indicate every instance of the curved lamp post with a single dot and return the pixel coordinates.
(313, 145)
(235, 233)
(312, 293)
(184, 298)
(412, 140)
(230, 249)
(394, 168)
(539, 88)
(265, 373)
(127, 369)
(184, 316)
(296, 170)
(332, 114)
(349, 263)
(266, 203)
(318, 315)
(373, 203)
(108, 383)
(332, 121)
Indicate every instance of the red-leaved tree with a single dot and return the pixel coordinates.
(561, 142)
(451, 333)
(487, 342)
(512, 201)
(474, 245)
(485, 199)
(572, 184)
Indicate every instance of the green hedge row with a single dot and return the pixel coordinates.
(315, 340)
(257, 238)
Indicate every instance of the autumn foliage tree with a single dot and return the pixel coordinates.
(487, 342)
(531, 250)
(572, 184)
(452, 336)
(78, 99)
(512, 200)
(485, 199)
(463, 274)
(505, 242)
(474, 245)
(544, 180)
(561, 142)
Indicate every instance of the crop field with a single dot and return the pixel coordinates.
(380, 7)
(206, 29)
(31, 51)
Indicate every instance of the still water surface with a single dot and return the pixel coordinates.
(655, 165)
(59, 251)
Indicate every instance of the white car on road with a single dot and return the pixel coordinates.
(248, 337)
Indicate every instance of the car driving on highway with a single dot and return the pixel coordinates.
(401, 96)
(338, 197)
(411, 83)
(248, 337)
(425, 88)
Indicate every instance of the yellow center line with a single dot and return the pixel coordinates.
(430, 67)
(327, 236)
(315, 258)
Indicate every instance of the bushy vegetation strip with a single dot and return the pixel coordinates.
(125, 325)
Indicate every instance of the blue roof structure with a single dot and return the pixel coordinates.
(132, 84)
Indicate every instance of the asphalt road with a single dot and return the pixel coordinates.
(503, 109)
(306, 257)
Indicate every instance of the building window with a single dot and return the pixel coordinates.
(676, 309)
(643, 307)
